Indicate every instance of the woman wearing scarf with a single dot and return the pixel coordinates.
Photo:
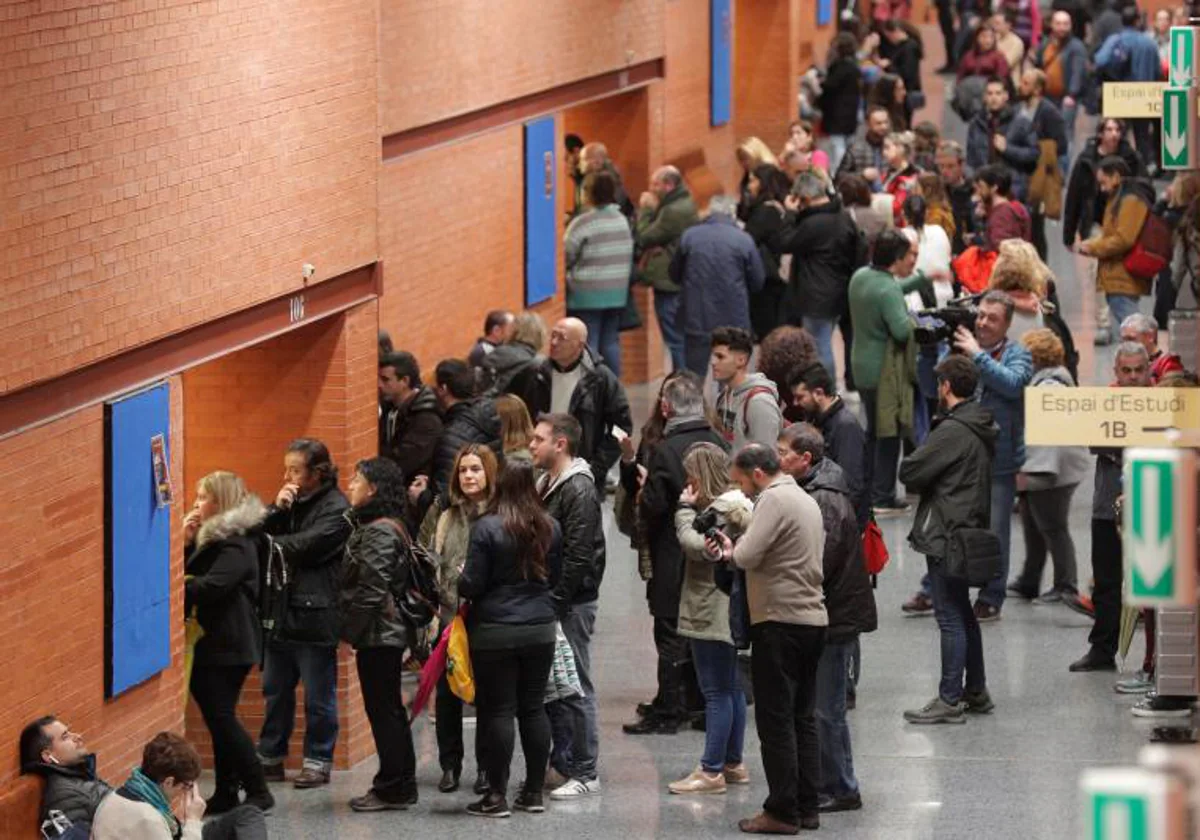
(146, 806)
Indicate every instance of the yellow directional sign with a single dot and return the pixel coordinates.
(1108, 416)
(1133, 100)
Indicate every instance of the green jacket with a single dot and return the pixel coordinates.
(878, 313)
(897, 385)
(656, 237)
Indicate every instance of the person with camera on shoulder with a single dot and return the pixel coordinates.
(952, 471)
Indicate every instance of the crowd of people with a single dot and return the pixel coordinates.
(750, 507)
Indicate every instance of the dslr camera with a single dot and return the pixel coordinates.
(934, 326)
(709, 523)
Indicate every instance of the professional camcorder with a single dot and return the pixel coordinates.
(934, 326)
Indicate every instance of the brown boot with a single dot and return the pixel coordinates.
(764, 823)
(311, 777)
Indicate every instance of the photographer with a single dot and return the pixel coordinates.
(953, 473)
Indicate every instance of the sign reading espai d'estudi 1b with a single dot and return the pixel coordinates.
(1108, 416)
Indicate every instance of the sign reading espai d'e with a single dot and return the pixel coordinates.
(1108, 416)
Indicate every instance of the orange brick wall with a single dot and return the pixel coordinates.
(52, 596)
(439, 58)
(242, 411)
(765, 73)
(166, 163)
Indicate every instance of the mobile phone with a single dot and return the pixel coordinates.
(619, 433)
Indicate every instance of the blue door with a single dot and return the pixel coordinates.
(541, 233)
(721, 56)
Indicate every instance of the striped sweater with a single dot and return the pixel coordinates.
(599, 255)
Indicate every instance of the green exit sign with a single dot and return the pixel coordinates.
(1179, 129)
(1159, 526)
(1132, 803)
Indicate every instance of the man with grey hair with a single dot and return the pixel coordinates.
(717, 266)
(1131, 369)
(665, 211)
(593, 157)
(827, 247)
(1143, 329)
(682, 404)
(951, 165)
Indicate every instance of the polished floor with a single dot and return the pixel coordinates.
(1012, 774)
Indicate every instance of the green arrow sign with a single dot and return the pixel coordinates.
(1117, 817)
(1152, 529)
(1183, 56)
(1177, 128)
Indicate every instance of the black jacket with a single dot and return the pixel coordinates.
(840, 93)
(493, 582)
(375, 567)
(952, 471)
(962, 204)
(311, 534)
(1021, 153)
(1048, 124)
(826, 248)
(503, 364)
(574, 503)
(409, 434)
(846, 446)
(763, 224)
(905, 59)
(73, 789)
(222, 584)
(470, 421)
(598, 403)
(848, 596)
(656, 505)
(1084, 204)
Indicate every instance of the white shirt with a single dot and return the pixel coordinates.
(562, 386)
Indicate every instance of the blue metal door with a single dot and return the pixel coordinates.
(541, 233)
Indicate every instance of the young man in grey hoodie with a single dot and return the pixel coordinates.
(748, 404)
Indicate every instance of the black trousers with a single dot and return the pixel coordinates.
(945, 10)
(450, 730)
(784, 667)
(245, 822)
(1106, 596)
(883, 455)
(511, 683)
(379, 675)
(216, 689)
(674, 660)
(1038, 225)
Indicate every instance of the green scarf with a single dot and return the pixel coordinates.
(140, 788)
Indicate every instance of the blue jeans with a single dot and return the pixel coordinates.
(837, 762)
(724, 703)
(838, 143)
(821, 329)
(1004, 493)
(962, 643)
(284, 666)
(604, 334)
(575, 739)
(666, 309)
(1121, 307)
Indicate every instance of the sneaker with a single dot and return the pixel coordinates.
(1081, 604)
(554, 780)
(894, 508)
(978, 703)
(1156, 706)
(833, 804)
(1052, 596)
(736, 774)
(370, 801)
(937, 710)
(449, 782)
(1138, 683)
(1018, 591)
(919, 604)
(576, 788)
(986, 612)
(491, 805)
(1093, 661)
(311, 777)
(699, 781)
(529, 801)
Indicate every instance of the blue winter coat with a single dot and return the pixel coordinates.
(1145, 65)
(717, 266)
(1002, 391)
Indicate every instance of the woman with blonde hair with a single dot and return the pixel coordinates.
(516, 428)
(221, 535)
(751, 153)
(446, 530)
(1020, 272)
(704, 619)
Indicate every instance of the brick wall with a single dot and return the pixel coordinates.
(242, 411)
(766, 68)
(52, 596)
(439, 58)
(168, 161)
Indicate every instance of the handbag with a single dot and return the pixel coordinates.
(458, 660)
(563, 681)
(875, 550)
(972, 555)
(1046, 184)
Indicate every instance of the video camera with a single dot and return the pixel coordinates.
(934, 326)
(709, 523)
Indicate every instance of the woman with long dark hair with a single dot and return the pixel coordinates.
(767, 188)
(890, 92)
(513, 563)
(375, 566)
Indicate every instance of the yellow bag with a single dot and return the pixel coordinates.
(458, 662)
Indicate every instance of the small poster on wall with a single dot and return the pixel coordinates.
(162, 470)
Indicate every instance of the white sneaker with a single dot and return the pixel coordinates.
(576, 788)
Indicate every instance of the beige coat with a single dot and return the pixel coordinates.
(118, 818)
(703, 608)
(781, 553)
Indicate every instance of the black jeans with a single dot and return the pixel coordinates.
(245, 822)
(883, 455)
(216, 689)
(450, 730)
(945, 10)
(511, 682)
(379, 676)
(1044, 519)
(674, 658)
(1106, 596)
(784, 666)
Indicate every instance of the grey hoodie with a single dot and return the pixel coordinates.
(1048, 467)
(750, 412)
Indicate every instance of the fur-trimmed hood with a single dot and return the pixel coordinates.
(235, 522)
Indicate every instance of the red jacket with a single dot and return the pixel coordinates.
(1162, 364)
(1007, 220)
(990, 63)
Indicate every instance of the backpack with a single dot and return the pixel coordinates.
(417, 597)
(1152, 251)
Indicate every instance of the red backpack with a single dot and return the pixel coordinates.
(1152, 251)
